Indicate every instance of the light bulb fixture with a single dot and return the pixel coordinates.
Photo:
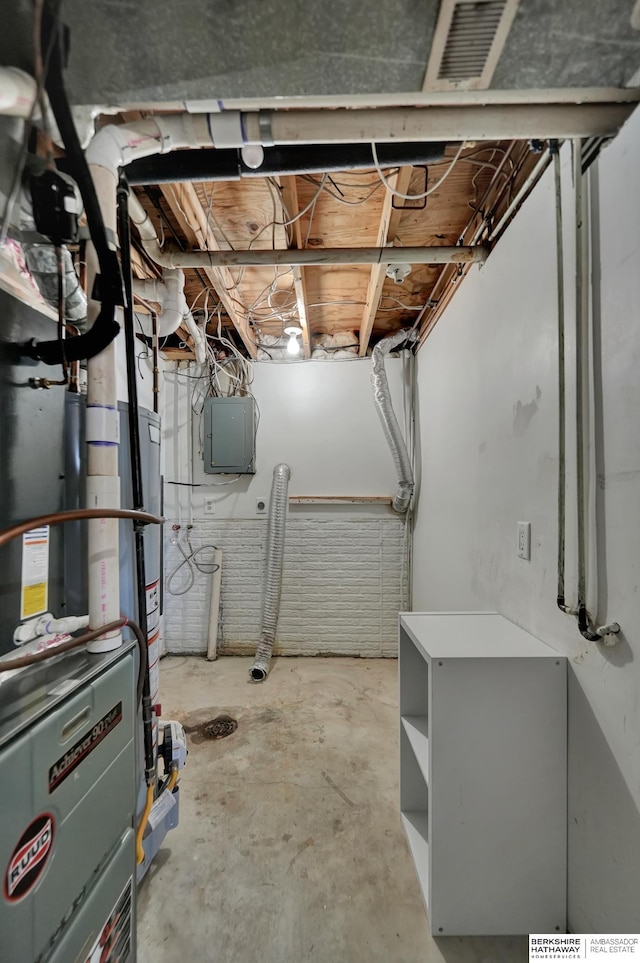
(293, 345)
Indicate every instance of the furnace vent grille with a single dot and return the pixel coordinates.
(470, 36)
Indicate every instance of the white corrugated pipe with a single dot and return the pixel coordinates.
(278, 505)
(169, 294)
(382, 401)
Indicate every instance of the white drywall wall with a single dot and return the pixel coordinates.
(488, 432)
(343, 567)
(316, 416)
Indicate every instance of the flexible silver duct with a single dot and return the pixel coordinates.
(43, 266)
(382, 401)
(278, 505)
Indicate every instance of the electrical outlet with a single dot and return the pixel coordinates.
(209, 506)
(524, 540)
(261, 506)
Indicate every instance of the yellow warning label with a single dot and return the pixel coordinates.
(35, 572)
(34, 599)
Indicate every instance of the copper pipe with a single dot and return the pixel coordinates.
(77, 515)
(32, 658)
(74, 366)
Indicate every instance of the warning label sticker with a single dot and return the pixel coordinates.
(85, 744)
(34, 596)
(113, 945)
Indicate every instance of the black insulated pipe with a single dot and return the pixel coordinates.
(210, 164)
(124, 231)
(105, 327)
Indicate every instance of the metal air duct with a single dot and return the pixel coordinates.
(382, 401)
(278, 504)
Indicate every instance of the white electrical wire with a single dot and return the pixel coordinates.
(412, 197)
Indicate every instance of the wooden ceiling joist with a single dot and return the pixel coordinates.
(187, 210)
(387, 231)
(290, 200)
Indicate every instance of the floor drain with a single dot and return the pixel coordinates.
(219, 727)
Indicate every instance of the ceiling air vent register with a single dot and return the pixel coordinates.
(468, 42)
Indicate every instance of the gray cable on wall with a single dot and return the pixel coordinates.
(393, 434)
(278, 505)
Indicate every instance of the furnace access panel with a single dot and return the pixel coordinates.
(229, 435)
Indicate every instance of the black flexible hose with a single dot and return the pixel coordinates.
(105, 327)
(124, 231)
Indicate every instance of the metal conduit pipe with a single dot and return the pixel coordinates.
(169, 258)
(391, 428)
(278, 505)
(229, 165)
(587, 629)
(602, 632)
(440, 254)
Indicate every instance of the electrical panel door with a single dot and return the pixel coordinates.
(229, 435)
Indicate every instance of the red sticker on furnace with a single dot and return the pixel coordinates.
(29, 858)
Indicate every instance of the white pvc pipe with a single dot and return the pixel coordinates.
(103, 482)
(17, 92)
(420, 98)
(47, 625)
(214, 607)
(425, 124)
(169, 294)
(114, 147)
(117, 145)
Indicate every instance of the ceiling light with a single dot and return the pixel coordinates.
(293, 345)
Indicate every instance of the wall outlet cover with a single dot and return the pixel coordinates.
(524, 540)
(261, 506)
(209, 506)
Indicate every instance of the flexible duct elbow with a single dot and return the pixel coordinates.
(278, 504)
(391, 428)
(43, 266)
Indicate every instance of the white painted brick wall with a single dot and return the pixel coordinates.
(341, 590)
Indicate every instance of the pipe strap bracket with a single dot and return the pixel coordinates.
(226, 129)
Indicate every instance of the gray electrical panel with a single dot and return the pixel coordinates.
(229, 436)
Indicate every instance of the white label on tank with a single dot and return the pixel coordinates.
(114, 940)
(34, 597)
(153, 606)
(163, 805)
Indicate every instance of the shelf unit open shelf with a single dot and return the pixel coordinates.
(483, 773)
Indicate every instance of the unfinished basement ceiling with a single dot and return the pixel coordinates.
(348, 305)
(143, 58)
(132, 51)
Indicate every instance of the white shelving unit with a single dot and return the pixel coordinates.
(483, 773)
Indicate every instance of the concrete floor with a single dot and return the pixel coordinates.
(290, 846)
